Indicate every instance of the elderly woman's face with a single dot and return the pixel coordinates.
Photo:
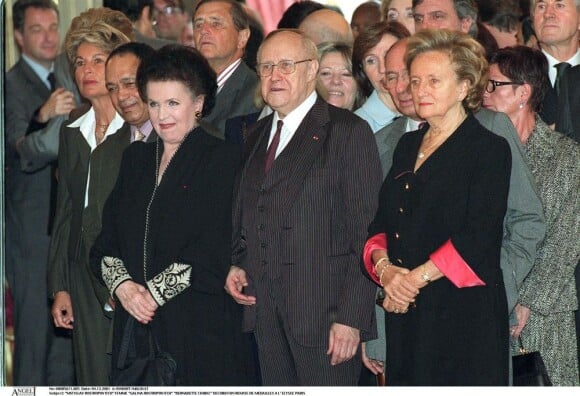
(336, 77)
(172, 109)
(434, 85)
(374, 62)
(505, 98)
(89, 66)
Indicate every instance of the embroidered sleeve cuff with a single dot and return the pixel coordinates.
(169, 283)
(114, 272)
(452, 265)
(378, 241)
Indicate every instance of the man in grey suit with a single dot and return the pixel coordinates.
(524, 224)
(36, 106)
(221, 31)
(307, 192)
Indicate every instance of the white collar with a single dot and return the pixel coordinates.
(294, 118)
(86, 124)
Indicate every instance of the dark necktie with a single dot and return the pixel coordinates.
(52, 80)
(271, 153)
(560, 70)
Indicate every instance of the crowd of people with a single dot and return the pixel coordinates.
(391, 200)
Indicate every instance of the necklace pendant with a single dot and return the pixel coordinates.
(420, 155)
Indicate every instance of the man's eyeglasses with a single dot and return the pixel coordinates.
(491, 84)
(167, 11)
(285, 67)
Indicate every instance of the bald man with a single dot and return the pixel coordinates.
(326, 25)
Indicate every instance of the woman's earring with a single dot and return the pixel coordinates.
(521, 105)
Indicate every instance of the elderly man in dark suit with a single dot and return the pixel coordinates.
(307, 192)
(221, 32)
(36, 106)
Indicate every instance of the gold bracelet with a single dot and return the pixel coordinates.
(386, 258)
(382, 271)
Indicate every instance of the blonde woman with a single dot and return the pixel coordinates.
(91, 145)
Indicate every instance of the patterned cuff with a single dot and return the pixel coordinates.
(114, 272)
(169, 283)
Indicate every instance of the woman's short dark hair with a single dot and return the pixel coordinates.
(524, 65)
(467, 58)
(182, 64)
(366, 41)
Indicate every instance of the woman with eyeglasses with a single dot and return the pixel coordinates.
(368, 65)
(518, 78)
(435, 242)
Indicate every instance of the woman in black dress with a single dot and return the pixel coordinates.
(435, 241)
(164, 250)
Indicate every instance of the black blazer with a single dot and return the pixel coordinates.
(189, 223)
(305, 222)
(459, 193)
(568, 121)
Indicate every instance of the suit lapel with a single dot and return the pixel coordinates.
(295, 162)
(36, 85)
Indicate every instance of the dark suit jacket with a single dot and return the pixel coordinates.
(568, 121)
(387, 139)
(236, 98)
(75, 229)
(76, 225)
(28, 187)
(304, 223)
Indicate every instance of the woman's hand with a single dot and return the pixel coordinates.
(522, 315)
(399, 292)
(136, 300)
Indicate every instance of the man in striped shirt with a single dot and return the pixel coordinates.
(221, 32)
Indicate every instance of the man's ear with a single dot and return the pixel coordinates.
(313, 70)
(465, 24)
(243, 37)
(19, 38)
